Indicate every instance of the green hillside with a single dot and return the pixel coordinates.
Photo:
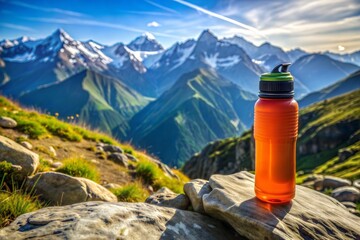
(199, 108)
(90, 98)
(326, 128)
(328, 143)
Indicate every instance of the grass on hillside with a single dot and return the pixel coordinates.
(151, 174)
(38, 125)
(133, 192)
(348, 169)
(14, 200)
(79, 167)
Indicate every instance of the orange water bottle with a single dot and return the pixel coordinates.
(275, 133)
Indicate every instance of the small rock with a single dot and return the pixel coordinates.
(56, 164)
(52, 151)
(167, 198)
(112, 149)
(356, 183)
(345, 154)
(27, 145)
(99, 144)
(313, 177)
(131, 157)
(150, 188)
(7, 122)
(61, 189)
(349, 205)
(119, 158)
(16, 154)
(112, 186)
(346, 194)
(99, 149)
(330, 182)
(195, 190)
(94, 161)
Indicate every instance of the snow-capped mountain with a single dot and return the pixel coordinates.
(208, 51)
(145, 42)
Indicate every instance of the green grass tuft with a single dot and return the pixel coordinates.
(147, 171)
(133, 192)
(79, 167)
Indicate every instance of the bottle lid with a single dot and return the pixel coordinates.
(277, 84)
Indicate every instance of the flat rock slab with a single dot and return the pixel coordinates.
(311, 215)
(99, 220)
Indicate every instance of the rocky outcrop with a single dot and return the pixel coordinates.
(16, 154)
(311, 215)
(119, 158)
(196, 189)
(61, 189)
(167, 198)
(346, 194)
(7, 122)
(99, 220)
(224, 157)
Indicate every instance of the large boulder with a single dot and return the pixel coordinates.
(99, 220)
(16, 154)
(346, 194)
(310, 215)
(167, 198)
(7, 122)
(61, 189)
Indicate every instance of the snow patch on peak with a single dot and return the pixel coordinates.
(149, 36)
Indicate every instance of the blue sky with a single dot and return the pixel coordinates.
(312, 25)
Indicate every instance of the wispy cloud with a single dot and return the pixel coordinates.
(153, 24)
(74, 21)
(45, 9)
(147, 13)
(219, 16)
(161, 7)
(17, 27)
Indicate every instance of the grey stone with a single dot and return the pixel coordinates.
(131, 157)
(112, 149)
(330, 182)
(349, 204)
(56, 164)
(167, 198)
(119, 158)
(26, 145)
(112, 186)
(196, 189)
(61, 189)
(310, 215)
(356, 183)
(99, 220)
(52, 151)
(16, 154)
(7, 122)
(346, 194)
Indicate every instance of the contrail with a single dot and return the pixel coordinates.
(216, 15)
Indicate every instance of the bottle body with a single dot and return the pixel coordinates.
(275, 133)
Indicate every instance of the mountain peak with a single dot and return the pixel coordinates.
(207, 36)
(145, 42)
(61, 35)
